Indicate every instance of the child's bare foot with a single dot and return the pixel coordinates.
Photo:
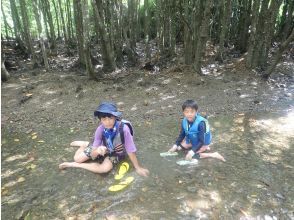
(218, 156)
(65, 165)
(79, 143)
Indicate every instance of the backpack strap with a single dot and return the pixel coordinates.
(121, 132)
(121, 129)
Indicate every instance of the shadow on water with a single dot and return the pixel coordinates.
(255, 182)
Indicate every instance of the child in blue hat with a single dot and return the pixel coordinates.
(113, 141)
(195, 135)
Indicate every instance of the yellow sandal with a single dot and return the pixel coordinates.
(121, 185)
(122, 170)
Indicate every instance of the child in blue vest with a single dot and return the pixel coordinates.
(195, 134)
(113, 141)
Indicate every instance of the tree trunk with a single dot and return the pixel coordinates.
(18, 30)
(198, 11)
(188, 33)
(146, 30)
(171, 28)
(270, 29)
(243, 26)
(87, 51)
(225, 22)
(39, 26)
(57, 18)
(26, 25)
(289, 21)
(5, 21)
(118, 25)
(69, 21)
(78, 16)
(201, 44)
(107, 50)
(4, 73)
(278, 55)
(253, 34)
(159, 26)
(132, 23)
(51, 25)
(63, 23)
(43, 8)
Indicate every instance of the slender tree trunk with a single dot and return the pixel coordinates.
(270, 29)
(201, 44)
(188, 33)
(57, 18)
(78, 16)
(278, 55)
(172, 29)
(225, 22)
(51, 25)
(69, 21)
(243, 26)
(257, 60)
(87, 51)
(43, 8)
(132, 23)
(107, 51)
(159, 26)
(253, 34)
(198, 11)
(289, 21)
(6, 25)
(130, 34)
(146, 30)
(27, 33)
(4, 73)
(63, 23)
(18, 30)
(118, 41)
(39, 26)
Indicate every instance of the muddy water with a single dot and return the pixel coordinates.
(256, 182)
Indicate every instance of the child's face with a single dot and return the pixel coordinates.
(108, 122)
(190, 113)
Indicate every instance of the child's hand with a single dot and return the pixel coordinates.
(142, 171)
(189, 155)
(102, 150)
(173, 148)
(98, 151)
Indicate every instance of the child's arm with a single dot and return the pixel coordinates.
(178, 141)
(140, 170)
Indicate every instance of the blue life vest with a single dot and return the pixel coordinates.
(192, 133)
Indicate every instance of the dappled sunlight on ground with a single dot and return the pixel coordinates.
(15, 157)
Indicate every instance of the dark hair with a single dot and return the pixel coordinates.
(190, 104)
(103, 115)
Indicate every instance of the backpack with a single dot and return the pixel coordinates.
(121, 129)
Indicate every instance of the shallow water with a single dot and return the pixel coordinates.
(256, 182)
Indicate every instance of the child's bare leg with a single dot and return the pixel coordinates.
(203, 148)
(213, 155)
(94, 167)
(79, 143)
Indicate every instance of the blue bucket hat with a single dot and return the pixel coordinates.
(107, 107)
